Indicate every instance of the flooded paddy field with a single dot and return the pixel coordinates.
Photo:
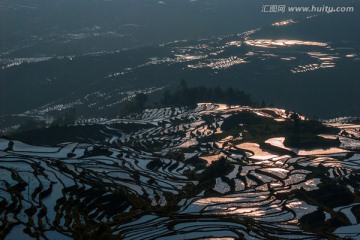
(180, 173)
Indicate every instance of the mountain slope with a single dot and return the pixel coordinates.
(292, 65)
(213, 171)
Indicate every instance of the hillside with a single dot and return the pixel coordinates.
(303, 65)
(183, 173)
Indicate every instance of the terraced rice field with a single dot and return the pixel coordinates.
(156, 181)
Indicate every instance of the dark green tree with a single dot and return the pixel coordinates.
(136, 104)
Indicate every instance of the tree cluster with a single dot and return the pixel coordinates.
(136, 104)
(185, 96)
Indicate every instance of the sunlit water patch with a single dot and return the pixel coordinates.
(273, 43)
